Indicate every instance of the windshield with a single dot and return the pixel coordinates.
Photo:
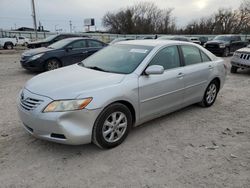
(49, 38)
(59, 44)
(223, 38)
(122, 59)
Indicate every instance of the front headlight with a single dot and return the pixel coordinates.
(67, 105)
(222, 45)
(36, 56)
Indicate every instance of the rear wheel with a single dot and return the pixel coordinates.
(8, 45)
(210, 94)
(52, 64)
(112, 126)
(234, 69)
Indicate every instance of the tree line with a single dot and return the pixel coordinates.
(147, 18)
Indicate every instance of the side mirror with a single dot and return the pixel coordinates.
(68, 48)
(154, 69)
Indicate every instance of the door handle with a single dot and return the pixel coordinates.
(180, 75)
(85, 52)
(210, 67)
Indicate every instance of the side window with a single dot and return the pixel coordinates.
(94, 43)
(167, 57)
(78, 44)
(191, 55)
(204, 57)
(21, 37)
(59, 38)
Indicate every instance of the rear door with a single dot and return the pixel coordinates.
(198, 68)
(162, 93)
(77, 53)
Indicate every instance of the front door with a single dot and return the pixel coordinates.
(78, 51)
(160, 94)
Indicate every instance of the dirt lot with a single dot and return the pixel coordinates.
(194, 147)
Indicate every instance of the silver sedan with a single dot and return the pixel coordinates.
(101, 98)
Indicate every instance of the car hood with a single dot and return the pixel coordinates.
(71, 81)
(247, 50)
(36, 51)
(37, 42)
(217, 42)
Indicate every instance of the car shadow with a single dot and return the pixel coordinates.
(88, 149)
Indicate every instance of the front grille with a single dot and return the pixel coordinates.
(212, 46)
(30, 103)
(245, 56)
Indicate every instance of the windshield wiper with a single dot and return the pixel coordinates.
(97, 68)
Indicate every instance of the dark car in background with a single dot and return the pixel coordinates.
(50, 40)
(62, 53)
(225, 44)
(178, 38)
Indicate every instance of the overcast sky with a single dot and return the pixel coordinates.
(57, 13)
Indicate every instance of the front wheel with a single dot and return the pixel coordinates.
(234, 69)
(210, 94)
(226, 52)
(52, 64)
(112, 126)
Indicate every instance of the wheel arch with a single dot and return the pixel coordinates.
(217, 80)
(125, 103)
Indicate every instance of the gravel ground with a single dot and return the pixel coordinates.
(194, 147)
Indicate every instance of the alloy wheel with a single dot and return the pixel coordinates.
(211, 93)
(52, 65)
(114, 127)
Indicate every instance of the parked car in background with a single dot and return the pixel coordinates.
(225, 44)
(100, 99)
(8, 43)
(62, 53)
(178, 38)
(120, 39)
(203, 40)
(50, 40)
(195, 40)
(241, 59)
(23, 41)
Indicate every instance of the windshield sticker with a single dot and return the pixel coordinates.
(143, 51)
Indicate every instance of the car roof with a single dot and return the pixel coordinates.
(152, 42)
(75, 38)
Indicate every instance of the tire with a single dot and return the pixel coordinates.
(52, 64)
(226, 52)
(210, 94)
(106, 128)
(234, 69)
(8, 46)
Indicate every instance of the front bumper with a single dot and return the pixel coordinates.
(216, 50)
(35, 65)
(241, 63)
(74, 127)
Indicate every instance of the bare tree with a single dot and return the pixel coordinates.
(142, 18)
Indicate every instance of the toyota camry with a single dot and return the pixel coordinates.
(123, 85)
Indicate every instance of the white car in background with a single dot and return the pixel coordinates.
(195, 40)
(23, 41)
(8, 43)
(241, 59)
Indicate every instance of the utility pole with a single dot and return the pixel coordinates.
(70, 26)
(34, 16)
